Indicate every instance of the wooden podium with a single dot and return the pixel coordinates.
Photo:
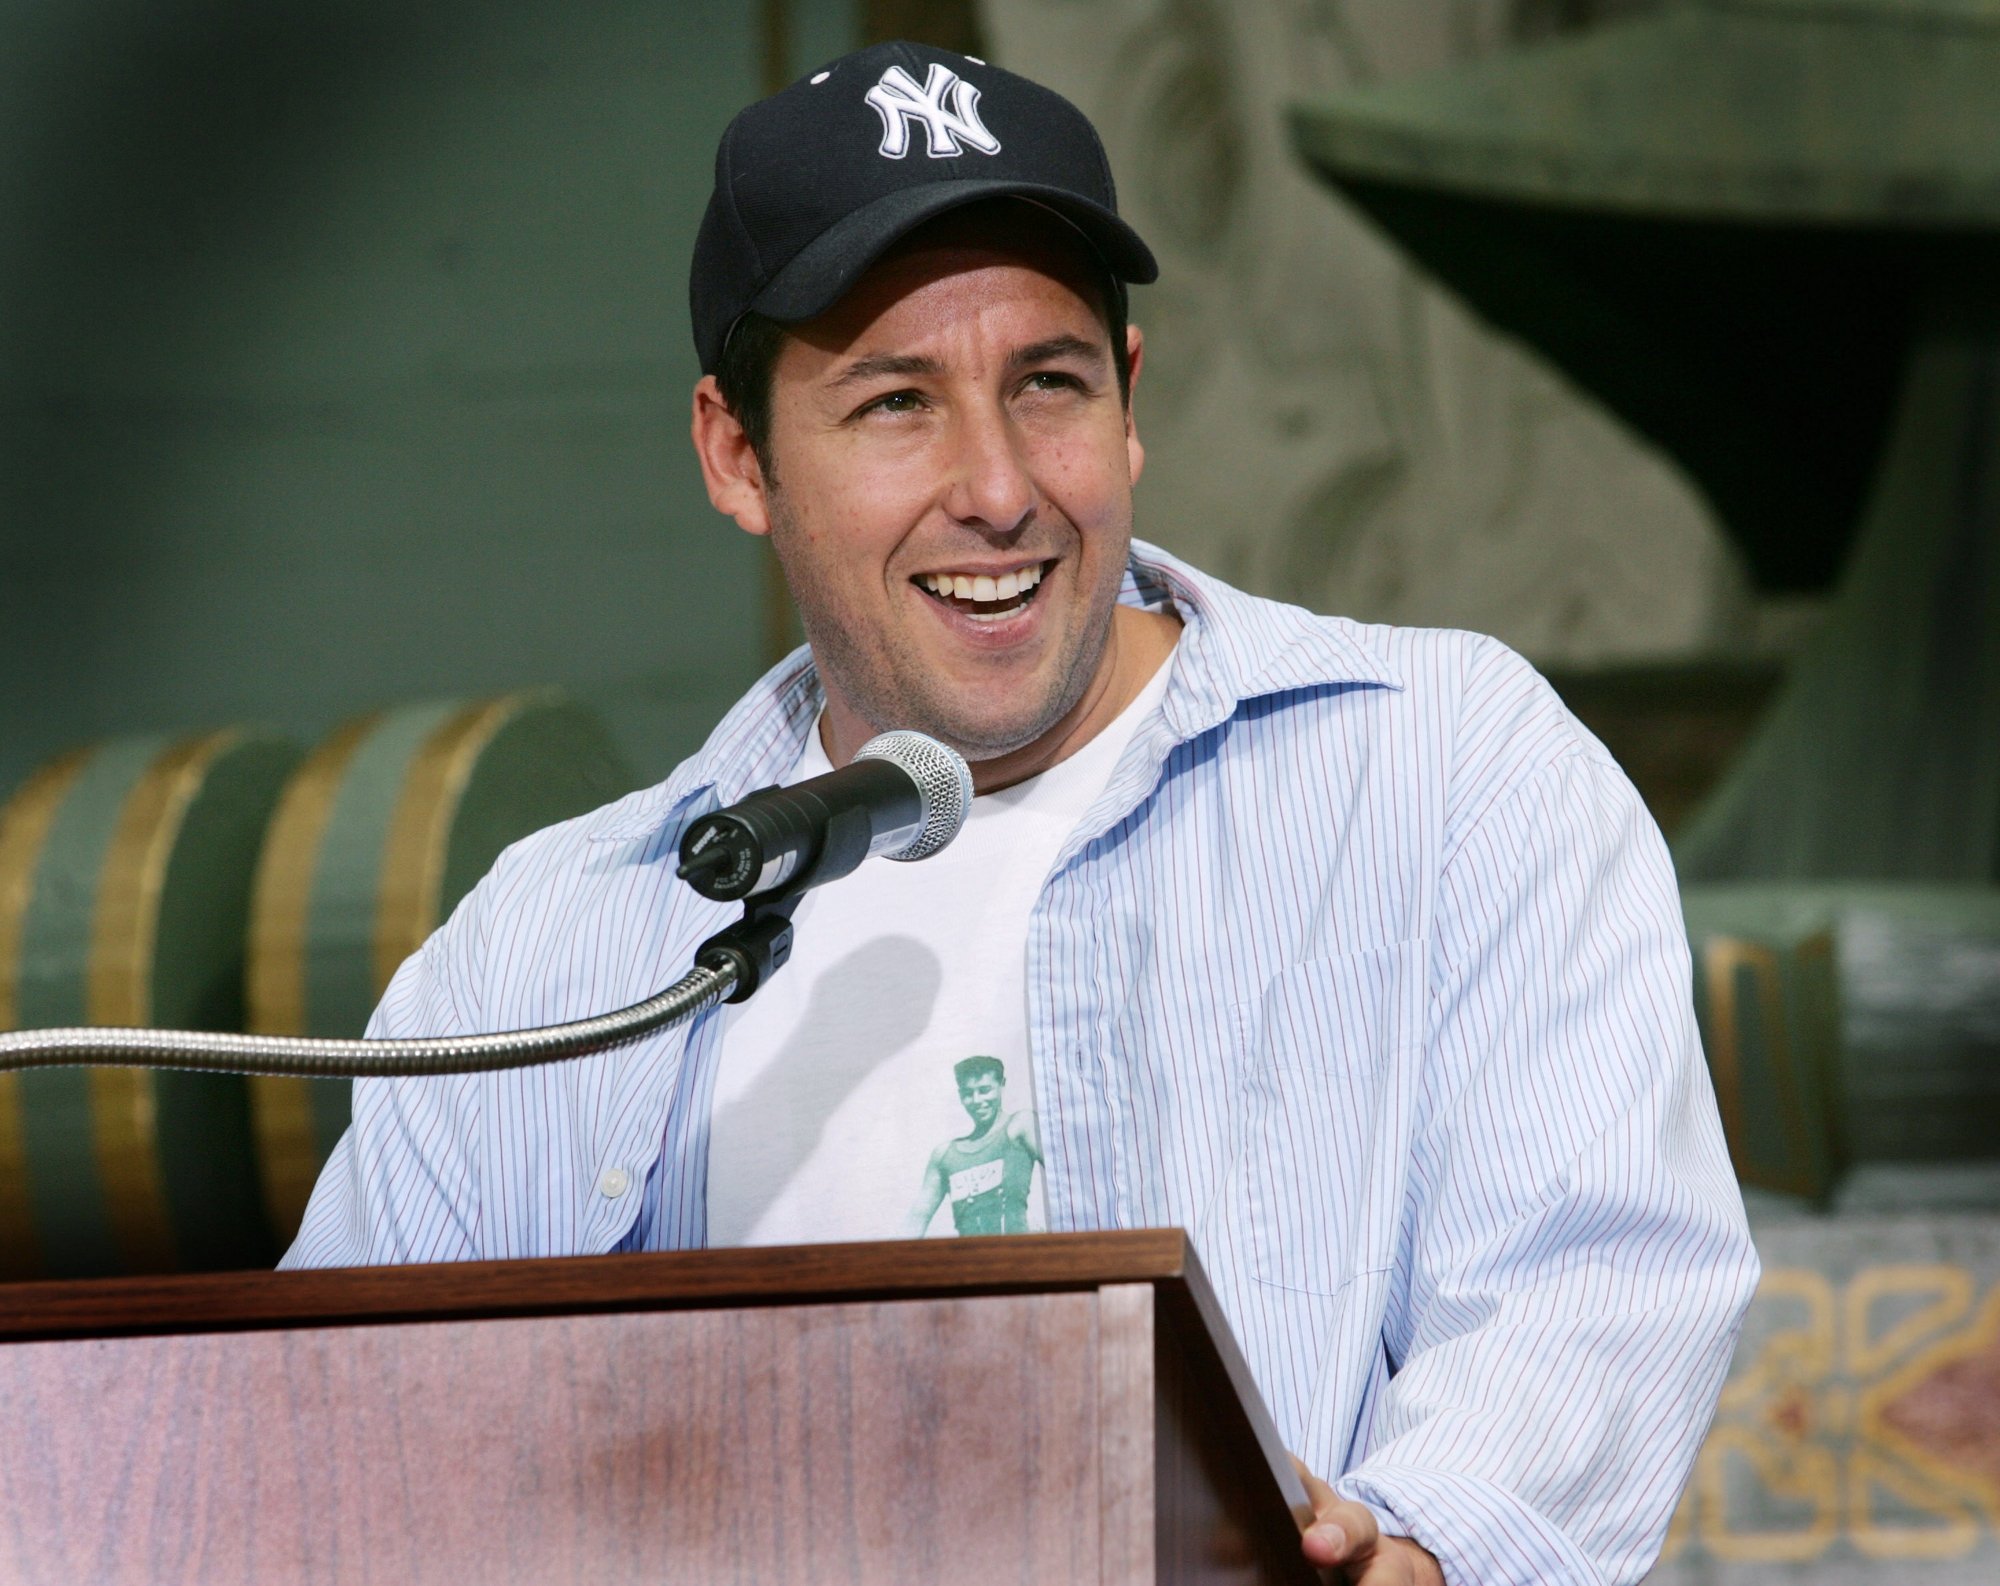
(1055, 1408)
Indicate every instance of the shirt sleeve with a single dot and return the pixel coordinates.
(1574, 1261)
(402, 1184)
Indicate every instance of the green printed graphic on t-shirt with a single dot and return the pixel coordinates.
(985, 1174)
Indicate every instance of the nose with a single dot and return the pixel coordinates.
(990, 486)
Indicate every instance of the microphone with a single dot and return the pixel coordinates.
(904, 796)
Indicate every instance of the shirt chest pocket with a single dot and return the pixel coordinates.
(1322, 1135)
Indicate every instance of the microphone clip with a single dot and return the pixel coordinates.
(756, 946)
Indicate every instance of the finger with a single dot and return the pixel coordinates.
(1383, 1567)
(1341, 1533)
(1318, 1493)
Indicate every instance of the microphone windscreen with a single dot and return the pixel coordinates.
(944, 783)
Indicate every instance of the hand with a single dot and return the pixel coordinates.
(1345, 1537)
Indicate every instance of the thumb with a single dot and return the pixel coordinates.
(1341, 1533)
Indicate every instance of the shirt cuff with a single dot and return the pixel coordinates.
(1476, 1531)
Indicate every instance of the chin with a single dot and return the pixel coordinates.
(975, 733)
(986, 740)
(984, 712)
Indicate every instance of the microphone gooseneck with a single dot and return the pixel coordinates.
(316, 1057)
(905, 796)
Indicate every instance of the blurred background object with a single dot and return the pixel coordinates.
(1767, 234)
(344, 364)
(221, 881)
(125, 877)
(381, 831)
(344, 360)
(1326, 425)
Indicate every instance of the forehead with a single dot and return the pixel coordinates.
(963, 267)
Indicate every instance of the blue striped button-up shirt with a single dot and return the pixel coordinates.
(1367, 968)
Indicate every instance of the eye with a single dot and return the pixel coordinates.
(1052, 380)
(893, 402)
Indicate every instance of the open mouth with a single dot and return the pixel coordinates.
(984, 598)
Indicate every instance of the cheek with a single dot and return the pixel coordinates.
(834, 531)
(1092, 490)
(860, 501)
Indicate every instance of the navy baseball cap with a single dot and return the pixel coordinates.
(813, 184)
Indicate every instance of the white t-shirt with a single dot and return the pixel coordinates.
(845, 1106)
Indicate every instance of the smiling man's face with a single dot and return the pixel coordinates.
(951, 490)
(980, 1097)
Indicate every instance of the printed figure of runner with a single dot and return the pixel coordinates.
(987, 1172)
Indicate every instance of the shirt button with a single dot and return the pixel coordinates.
(615, 1182)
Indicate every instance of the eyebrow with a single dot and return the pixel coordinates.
(879, 365)
(875, 365)
(1055, 348)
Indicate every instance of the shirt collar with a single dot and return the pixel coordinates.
(1233, 647)
(1236, 647)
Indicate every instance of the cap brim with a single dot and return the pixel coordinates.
(821, 272)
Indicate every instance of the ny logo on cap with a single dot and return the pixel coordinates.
(899, 101)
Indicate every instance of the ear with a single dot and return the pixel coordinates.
(1135, 351)
(729, 466)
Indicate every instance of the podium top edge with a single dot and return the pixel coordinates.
(676, 1280)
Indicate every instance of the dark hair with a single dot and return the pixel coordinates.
(750, 354)
(743, 375)
(967, 1069)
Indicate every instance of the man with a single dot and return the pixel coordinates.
(1344, 948)
(987, 1173)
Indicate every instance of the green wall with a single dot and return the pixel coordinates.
(344, 360)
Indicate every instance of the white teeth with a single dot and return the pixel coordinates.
(981, 587)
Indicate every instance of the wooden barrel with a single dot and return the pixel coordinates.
(1769, 1010)
(125, 880)
(380, 832)
(1913, 982)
